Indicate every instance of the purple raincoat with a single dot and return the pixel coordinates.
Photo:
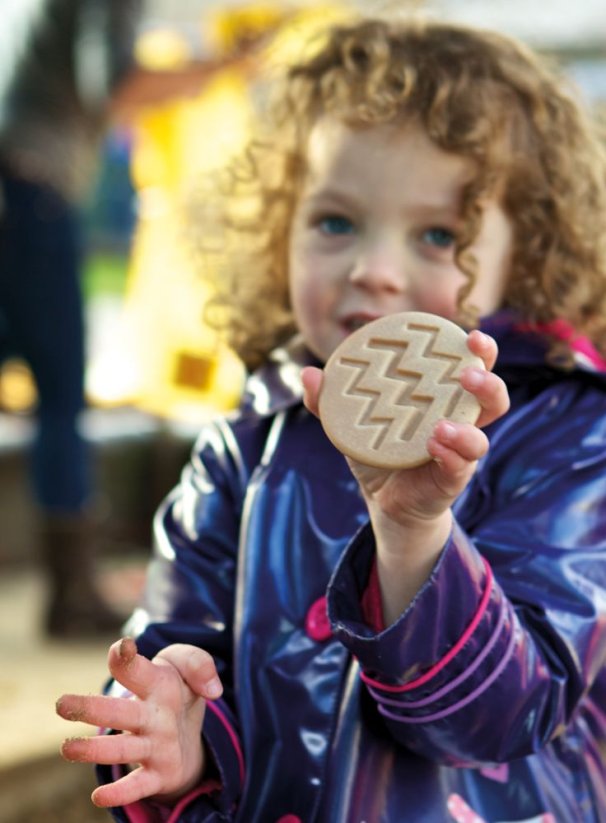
(487, 697)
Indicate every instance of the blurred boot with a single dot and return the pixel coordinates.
(75, 607)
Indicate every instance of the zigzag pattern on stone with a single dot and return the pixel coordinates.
(401, 375)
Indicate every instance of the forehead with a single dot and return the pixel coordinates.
(383, 156)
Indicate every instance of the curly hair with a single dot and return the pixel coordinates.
(478, 94)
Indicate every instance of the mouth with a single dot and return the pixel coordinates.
(352, 322)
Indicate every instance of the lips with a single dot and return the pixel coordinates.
(355, 320)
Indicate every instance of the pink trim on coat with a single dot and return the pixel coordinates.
(437, 667)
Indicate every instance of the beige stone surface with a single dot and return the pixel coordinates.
(389, 383)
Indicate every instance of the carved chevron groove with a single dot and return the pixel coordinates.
(398, 381)
(389, 383)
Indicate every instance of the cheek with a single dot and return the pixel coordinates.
(490, 287)
(309, 278)
(441, 298)
(305, 292)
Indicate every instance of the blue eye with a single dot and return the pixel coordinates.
(442, 238)
(335, 224)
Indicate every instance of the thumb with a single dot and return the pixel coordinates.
(196, 667)
(312, 382)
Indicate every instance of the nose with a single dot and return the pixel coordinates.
(380, 267)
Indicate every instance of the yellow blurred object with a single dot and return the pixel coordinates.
(161, 48)
(18, 394)
(177, 141)
(228, 31)
(182, 370)
(299, 37)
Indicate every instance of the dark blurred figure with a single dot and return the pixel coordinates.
(59, 67)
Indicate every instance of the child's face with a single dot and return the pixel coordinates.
(373, 233)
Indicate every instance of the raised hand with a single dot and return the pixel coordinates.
(410, 508)
(429, 490)
(160, 723)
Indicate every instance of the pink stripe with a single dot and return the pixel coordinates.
(205, 788)
(372, 605)
(232, 736)
(429, 718)
(562, 330)
(138, 812)
(437, 667)
(452, 684)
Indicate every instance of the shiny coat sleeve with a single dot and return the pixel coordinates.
(500, 650)
(189, 598)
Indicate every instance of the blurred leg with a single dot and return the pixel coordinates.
(42, 306)
(40, 292)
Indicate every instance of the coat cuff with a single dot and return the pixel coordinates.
(221, 736)
(423, 643)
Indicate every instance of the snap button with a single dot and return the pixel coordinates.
(317, 625)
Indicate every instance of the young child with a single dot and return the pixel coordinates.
(324, 641)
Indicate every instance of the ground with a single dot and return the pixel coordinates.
(49, 790)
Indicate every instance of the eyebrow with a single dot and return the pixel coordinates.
(338, 196)
(345, 199)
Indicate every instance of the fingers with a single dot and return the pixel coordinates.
(127, 669)
(483, 346)
(457, 446)
(141, 676)
(132, 670)
(159, 730)
(454, 445)
(106, 712)
(107, 749)
(490, 391)
(128, 789)
(312, 382)
(196, 667)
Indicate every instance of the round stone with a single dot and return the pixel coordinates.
(388, 384)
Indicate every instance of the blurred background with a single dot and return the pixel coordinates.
(153, 370)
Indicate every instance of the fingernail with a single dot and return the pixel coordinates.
(127, 650)
(480, 337)
(213, 688)
(447, 430)
(71, 756)
(474, 377)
